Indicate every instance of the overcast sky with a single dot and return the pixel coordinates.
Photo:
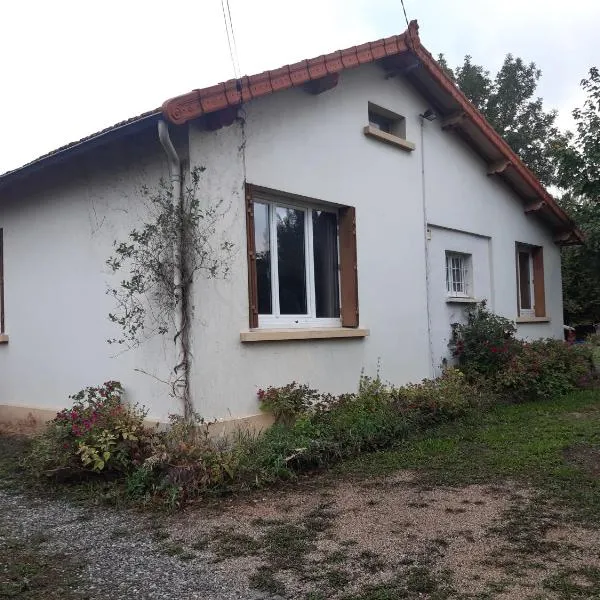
(72, 67)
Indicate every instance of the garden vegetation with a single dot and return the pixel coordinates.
(101, 436)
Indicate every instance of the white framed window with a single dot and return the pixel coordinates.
(525, 282)
(297, 264)
(458, 275)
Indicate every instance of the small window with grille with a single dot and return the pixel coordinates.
(458, 274)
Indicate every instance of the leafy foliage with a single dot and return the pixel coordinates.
(445, 398)
(484, 343)
(580, 177)
(508, 102)
(377, 416)
(98, 433)
(543, 370)
(148, 296)
(580, 161)
(288, 402)
(184, 461)
(516, 370)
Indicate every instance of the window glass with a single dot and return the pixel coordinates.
(262, 242)
(325, 250)
(380, 122)
(524, 281)
(291, 262)
(457, 274)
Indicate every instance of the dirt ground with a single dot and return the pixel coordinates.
(394, 538)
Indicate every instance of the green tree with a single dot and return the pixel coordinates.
(508, 102)
(579, 175)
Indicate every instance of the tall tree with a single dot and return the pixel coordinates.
(508, 102)
(579, 175)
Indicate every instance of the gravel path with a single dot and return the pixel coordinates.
(122, 556)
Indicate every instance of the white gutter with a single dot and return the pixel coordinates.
(181, 383)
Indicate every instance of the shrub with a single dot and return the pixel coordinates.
(445, 398)
(98, 433)
(185, 462)
(287, 403)
(485, 343)
(544, 369)
(593, 339)
(377, 417)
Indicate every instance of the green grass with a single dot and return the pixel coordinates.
(523, 442)
(28, 572)
(12, 449)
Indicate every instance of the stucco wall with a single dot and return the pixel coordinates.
(313, 146)
(460, 195)
(58, 232)
(444, 313)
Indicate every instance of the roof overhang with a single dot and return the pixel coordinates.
(404, 55)
(119, 131)
(217, 106)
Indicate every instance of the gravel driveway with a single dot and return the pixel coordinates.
(114, 554)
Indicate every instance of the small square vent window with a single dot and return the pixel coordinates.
(387, 121)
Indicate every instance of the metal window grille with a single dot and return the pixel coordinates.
(457, 274)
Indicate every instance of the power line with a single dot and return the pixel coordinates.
(231, 39)
(235, 51)
(405, 16)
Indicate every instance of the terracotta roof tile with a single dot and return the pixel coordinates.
(200, 102)
(230, 94)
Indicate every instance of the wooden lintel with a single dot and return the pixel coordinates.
(318, 86)
(498, 167)
(453, 121)
(531, 208)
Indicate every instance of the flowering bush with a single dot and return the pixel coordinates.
(98, 433)
(485, 343)
(377, 416)
(544, 369)
(288, 402)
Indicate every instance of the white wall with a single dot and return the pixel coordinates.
(58, 233)
(460, 195)
(313, 146)
(444, 313)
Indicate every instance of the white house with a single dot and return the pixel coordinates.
(403, 203)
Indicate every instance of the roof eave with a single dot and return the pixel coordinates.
(129, 127)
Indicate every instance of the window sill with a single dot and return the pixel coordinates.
(533, 320)
(3, 339)
(388, 138)
(309, 333)
(461, 300)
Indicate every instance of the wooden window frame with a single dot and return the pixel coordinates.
(348, 272)
(537, 281)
